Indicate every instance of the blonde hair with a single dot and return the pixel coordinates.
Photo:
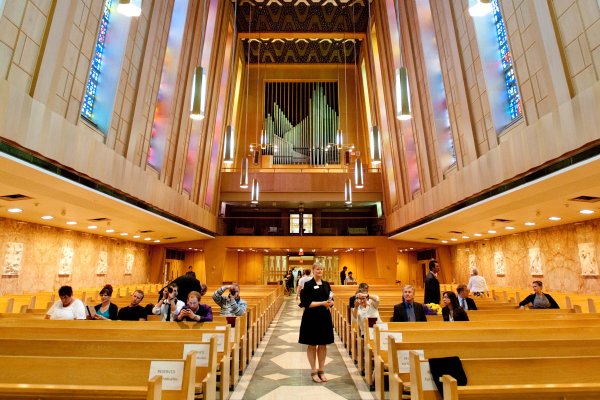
(317, 264)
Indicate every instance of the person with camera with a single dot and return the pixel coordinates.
(168, 306)
(194, 311)
(231, 305)
(365, 306)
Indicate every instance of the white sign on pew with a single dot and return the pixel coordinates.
(231, 332)
(220, 340)
(403, 359)
(201, 350)
(427, 378)
(382, 327)
(383, 338)
(171, 372)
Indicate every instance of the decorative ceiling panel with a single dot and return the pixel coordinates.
(302, 51)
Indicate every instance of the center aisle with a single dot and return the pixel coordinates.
(280, 369)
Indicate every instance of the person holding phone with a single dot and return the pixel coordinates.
(231, 305)
(168, 306)
(194, 311)
(106, 310)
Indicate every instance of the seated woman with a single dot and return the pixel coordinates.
(452, 311)
(67, 307)
(168, 306)
(365, 306)
(106, 310)
(350, 279)
(194, 311)
(538, 299)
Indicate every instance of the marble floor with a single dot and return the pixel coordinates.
(280, 369)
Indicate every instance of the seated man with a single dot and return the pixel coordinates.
(168, 306)
(408, 310)
(231, 305)
(194, 311)
(464, 300)
(133, 312)
(68, 307)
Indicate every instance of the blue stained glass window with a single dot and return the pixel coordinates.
(512, 90)
(87, 108)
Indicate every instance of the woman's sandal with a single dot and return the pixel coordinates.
(315, 377)
(322, 376)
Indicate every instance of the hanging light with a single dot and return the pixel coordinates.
(263, 139)
(244, 174)
(228, 146)
(198, 94)
(403, 111)
(339, 139)
(375, 145)
(130, 8)
(358, 174)
(348, 191)
(481, 8)
(255, 192)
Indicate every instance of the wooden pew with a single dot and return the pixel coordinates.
(399, 368)
(509, 378)
(206, 362)
(90, 378)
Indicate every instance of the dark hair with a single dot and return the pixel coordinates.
(349, 272)
(363, 286)
(539, 283)
(140, 292)
(65, 291)
(345, 268)
(453, 299)
(191, 274)
(307, 271)
(460, 288)
(108, 289)
(432, 264)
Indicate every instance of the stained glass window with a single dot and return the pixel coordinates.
(512, 90)
(87, 108)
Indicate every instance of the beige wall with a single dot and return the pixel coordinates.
(42, 251)
(558, 246)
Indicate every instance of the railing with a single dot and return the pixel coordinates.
(330, 226)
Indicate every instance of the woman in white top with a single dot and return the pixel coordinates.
(366, 306)
(67, 307)
(477, 284)
(168, 306)
(305, 278)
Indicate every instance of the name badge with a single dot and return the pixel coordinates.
(316, 286)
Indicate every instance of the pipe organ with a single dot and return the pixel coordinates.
(300, 123)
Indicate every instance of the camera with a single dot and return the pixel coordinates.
(170, 289)
(233, 292)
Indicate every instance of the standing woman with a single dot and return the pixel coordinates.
(452, 311)
(106, 309)
(316, 328)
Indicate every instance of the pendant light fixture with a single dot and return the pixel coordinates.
(228, 153)
(198, 106)
(348, 191)
(245, 163)
(255, 192)
(374, 130)
(358, 166)
(229, 140)
(244, 173)
(130, 8)
(403, 111)
(480, 8)
(359, 181)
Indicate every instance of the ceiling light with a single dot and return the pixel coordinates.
(554, 218)
(92, 226)
(47, 217)
(529, 223)
(444, 241)
(510, 228)
(465, 237)
(454, 239)
(491, 231)
(586, 211)
(157, 241)
(124, 233)
(14, 210)
(71, 222)
(147, 238)
(477, 234)
(110, 230)
(136, 236)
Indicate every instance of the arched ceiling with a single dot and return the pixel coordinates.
(301, 31)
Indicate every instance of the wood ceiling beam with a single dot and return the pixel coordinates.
(301, 35)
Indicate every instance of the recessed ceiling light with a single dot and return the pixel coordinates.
(92, 226)
(47, 217)
(123, 233)
(71, 222)
(444, 241)
(110, 230)
(491, 231)
(510, 228)
(136, 236)
(586, 211)
(529, 223)
(554, 218)
(14, 210)
(157, 241)
(465, 237)
(147, 238)
(477, 234)
(189, 248)
(454, 239)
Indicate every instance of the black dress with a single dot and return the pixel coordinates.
(316, 327)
